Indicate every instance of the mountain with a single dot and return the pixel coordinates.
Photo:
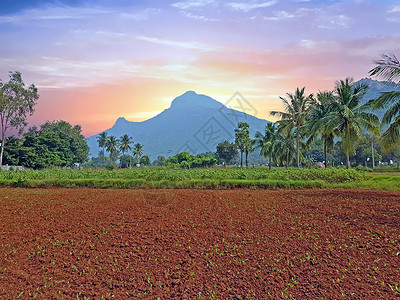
(193, 123)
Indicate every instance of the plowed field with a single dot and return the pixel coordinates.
(191, 244)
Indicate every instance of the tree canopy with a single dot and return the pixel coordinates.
(16, 104)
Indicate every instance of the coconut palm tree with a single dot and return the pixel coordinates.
(138, 151)
(284, 147)
(265, 142)
(111, 147)
(125, 143)
(102, 140)
(388, 67)
(348, 116)
(316, 121)
(296, 108)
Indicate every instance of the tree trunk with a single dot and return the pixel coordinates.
(347, 161)
(298, 149)
(326, 161)
(246, 155)
(2, 150)
(287, 160)
(241, 158)
(372, 152)
(269, 163)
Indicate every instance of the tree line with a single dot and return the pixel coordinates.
(332, 115)
(118, 149)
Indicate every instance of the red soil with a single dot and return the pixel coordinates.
(307, 244)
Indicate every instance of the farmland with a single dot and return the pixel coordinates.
(203, 244)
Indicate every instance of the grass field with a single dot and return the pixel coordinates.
(213, 178)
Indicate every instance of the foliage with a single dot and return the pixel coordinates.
(16, 104)
(243, 141)
(388, 67)
(125, 161)
(55, 144)
(296, 107)
(226, 151)
(186, 161)
(145, 160)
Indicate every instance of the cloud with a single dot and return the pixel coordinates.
(196, 17)
(179, 44)
(192, 4)
(280, 15)
(248, 6)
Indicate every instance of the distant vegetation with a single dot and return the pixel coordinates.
(333, 128)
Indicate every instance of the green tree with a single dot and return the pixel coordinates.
(16, 104)
(316, 122)
(160, 161)
(284, 147)
(102, 141)
(54, 144)
(242, 140)
(226, 151)
(265, 142)
(125, 143)
(145, 160)
(125, 161)
(388, 67)
(348, 116)
(112, 147)
(296, 107)
(138, 151)
(73, 134)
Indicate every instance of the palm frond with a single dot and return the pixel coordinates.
(391, 137)
(388, 67)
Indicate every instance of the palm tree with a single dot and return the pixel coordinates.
(111, 147)
(102, 140)
(265, 142)
(284, 147)
(125, 143)
(138, 151)
(348, 116)
(388, 67)
(296, 108)
(316, 122)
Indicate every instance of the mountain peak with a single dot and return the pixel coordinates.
(192, 99)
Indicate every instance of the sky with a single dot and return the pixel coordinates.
(95, 61)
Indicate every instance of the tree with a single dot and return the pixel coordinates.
(316, 122)
(296, 108)
(102, 141)
(145, 160)
(265, 142)
(160, 161)
(388, 67)
(348, 116)
(138, 151)
(16, 104)
(111, 147)
(54, 144)
(125, 143)
(226, 151)
(284, 147)
(77, 142)
(125, 161)
(242, 140)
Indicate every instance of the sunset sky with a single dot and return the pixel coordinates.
(95, 61)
